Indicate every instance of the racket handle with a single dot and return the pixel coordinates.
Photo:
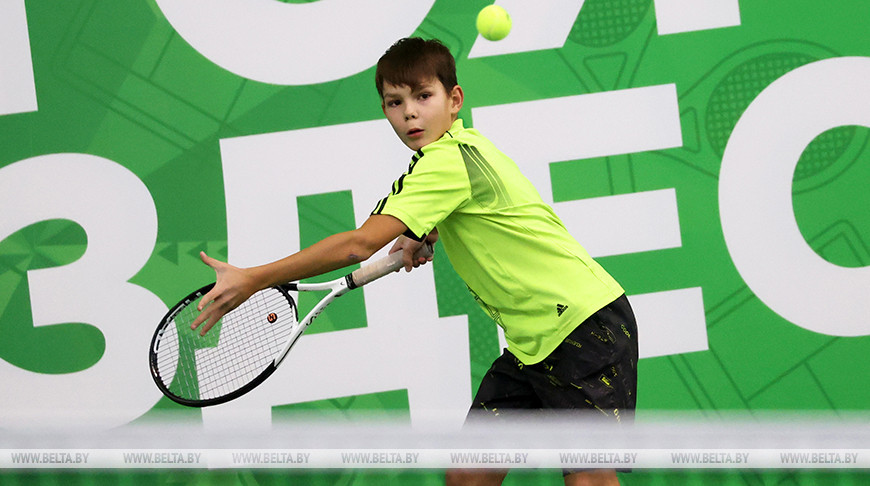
(384, 266)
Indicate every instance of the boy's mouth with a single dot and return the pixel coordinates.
(414, 132)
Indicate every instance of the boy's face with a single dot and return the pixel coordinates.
(422, 114)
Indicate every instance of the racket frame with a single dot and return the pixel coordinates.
(205, 402)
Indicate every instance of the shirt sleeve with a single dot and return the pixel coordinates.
(435, 185)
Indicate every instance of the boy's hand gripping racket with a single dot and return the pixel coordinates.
(248, 343)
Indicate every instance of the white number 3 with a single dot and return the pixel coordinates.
(117, 212)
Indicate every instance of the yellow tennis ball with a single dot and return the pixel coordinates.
(493, 23)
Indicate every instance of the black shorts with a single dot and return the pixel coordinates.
(594, 368)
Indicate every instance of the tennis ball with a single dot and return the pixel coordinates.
(493, 23)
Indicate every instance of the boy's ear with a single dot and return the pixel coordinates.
(457, 96)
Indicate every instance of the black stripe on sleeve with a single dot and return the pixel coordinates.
(399, 184)
(380, 206)
(416, 158)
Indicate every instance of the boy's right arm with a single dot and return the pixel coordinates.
(235, 285)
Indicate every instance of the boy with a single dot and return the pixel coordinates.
(572, 340)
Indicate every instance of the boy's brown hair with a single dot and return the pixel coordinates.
(413, 60)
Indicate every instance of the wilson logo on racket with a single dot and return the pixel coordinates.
(272, 317)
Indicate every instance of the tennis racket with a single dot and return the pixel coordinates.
(249, 343)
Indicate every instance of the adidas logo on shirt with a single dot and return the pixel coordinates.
(560, 309)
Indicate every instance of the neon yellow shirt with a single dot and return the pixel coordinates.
(510, 248)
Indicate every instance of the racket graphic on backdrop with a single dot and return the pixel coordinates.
(248, 344)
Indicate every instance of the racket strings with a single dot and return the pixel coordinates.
(248, 339)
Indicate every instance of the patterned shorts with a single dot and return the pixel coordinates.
(595, 367)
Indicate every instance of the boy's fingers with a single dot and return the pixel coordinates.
(207, 326)
(204, 301)
(204, 322)
(196, 322)
(202, 317)
(213, 263)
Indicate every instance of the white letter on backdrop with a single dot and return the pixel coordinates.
(595, 125)
(116, 211)
(294, 44)
(17, 89)
(755, 196)
(425, 355)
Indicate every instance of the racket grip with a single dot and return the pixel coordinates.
(384, 266)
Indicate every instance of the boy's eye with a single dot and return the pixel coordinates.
(393, 103)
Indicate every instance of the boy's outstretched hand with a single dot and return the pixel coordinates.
(232, 287)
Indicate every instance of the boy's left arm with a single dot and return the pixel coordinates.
(410, 247)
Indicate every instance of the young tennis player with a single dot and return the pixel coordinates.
(571, 334)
